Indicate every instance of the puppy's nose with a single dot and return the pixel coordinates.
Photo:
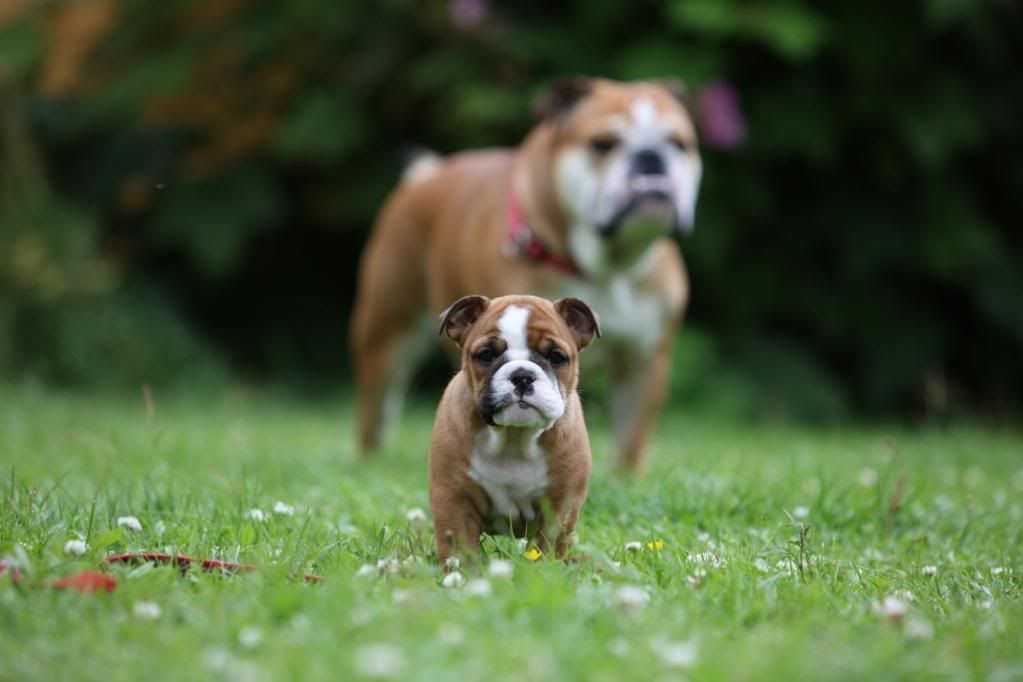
(648, 162)
(522, 379)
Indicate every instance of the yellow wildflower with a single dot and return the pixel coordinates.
(656, 545)
(532, 554)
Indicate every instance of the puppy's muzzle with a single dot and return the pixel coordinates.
(523, 379)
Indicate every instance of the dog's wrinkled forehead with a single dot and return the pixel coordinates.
(630, 110)
(515, 323)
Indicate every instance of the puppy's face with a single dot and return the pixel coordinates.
(520, 354)
(625, 161)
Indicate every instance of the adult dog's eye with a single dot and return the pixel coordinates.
(603, 144)
(679, 143)
(485, 356)
(557, 358)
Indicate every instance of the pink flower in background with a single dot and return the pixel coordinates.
(722, 125)
(467, 14)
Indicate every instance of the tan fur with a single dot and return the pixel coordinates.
(460, 507)
(445, 236)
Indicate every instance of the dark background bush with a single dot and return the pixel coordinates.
(187, 180)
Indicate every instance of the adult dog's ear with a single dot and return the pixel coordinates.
(460, 316)
(678, 89)
(581, 319)
(559, 99)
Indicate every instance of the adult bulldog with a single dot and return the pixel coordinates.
(586, 207)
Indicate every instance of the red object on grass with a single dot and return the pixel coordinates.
(184, 562)
(87, 582)
(15, 573)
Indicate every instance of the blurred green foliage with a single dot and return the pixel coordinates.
(209, 169)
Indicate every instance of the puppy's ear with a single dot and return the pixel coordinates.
(583, 322)
(564, 94)
(460, 316)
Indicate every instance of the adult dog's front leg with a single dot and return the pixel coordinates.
(638, 386)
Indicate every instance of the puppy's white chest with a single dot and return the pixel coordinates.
(513, 478)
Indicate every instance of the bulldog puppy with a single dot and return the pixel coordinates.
(585, 207)
(510, 452)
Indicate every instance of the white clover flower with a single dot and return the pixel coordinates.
(997, 570)
(633, 546)
(787, 566)
(76, 547)
(905, 595)
(379, 660)
(619, 646)
(415, 515)
(892, 607)
(129, 522)
(452, 563)
(801, 512)
(918, 628)
(250, 637)
(522, 543)
(675, 653)
(283, 509)
(929, 570)
(631, 598)
(709, 558)
(450, 634)
(479, 587)
(697, 577)
(366, 570)
(147, 610)
(388, 566)
(501, 568)
(256, 514)
(867, 477)
(453, 579)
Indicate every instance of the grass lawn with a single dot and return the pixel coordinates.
(772, 553)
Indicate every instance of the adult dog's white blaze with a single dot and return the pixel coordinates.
(644, 113)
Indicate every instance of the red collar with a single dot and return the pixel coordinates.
(522, 242)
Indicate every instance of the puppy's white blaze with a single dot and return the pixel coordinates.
(513, 330)
(644, 113)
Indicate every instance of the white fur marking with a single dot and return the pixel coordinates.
(512, 468)
(513, 330)
(423, 167)
(644, 113)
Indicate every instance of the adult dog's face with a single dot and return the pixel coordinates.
(520, 354)
(625, 163)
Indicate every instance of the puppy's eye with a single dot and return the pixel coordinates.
(679, 143)
(557, 358)
(603, 144)
(485, 356)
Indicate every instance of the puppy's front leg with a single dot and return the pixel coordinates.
(557, 526)
(457, 526)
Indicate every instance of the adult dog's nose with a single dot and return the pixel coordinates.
(648, 162)
(522, 379)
